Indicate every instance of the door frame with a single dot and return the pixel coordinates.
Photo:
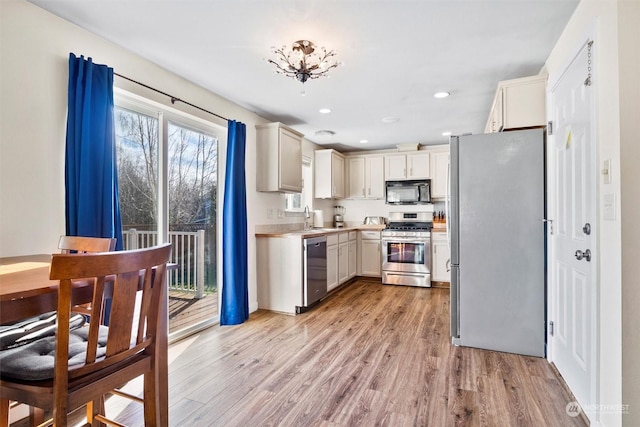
(552, 83)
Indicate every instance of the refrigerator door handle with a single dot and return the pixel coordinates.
(446, 204)
(455, 305)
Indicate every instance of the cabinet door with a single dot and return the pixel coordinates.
(395, 167)
(439, 171)
(370, 258)
(332, 267)
(290, 162)
(352, 258)
(524, 104)
(374, 177)
(418, 166)
(356, 186)
(343, 262)
(337, 176)
(440, 259)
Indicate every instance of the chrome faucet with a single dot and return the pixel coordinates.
(307, 215)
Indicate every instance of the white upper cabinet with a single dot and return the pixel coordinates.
(518, 103)
(366, 177)
(356, 186)
(439, 174)
(414, 165)
(329, 174)
(279, 158)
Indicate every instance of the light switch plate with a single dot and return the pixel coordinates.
(609, 207)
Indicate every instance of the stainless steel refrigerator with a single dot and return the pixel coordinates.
(497, 231)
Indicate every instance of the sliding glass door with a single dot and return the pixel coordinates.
(168, 178)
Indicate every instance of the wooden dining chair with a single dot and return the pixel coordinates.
(69, 244)
(82, 244)
(80, 366)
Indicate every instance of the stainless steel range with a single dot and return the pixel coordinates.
(406, 249)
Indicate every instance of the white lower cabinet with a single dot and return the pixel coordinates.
(370, 259)
(440, 257)
(353, 254)
(279, 283)
(341, 258)
(332, 262)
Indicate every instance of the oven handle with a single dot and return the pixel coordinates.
(406, 239)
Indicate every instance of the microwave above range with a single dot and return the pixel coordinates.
(416, 192)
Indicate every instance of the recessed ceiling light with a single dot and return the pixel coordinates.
(446, 133)
(441, 94)
(389, 119)
(364, 141)
(324, 110)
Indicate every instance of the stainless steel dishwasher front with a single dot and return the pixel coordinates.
(315, 269)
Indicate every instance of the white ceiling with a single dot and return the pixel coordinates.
(396, 55)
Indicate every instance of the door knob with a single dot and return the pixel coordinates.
(586, 229)
(586, 255)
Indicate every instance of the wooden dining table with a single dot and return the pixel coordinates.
(26, 290)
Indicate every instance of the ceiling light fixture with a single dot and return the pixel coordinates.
(446, 133)
(324, 110)
(441, 94)
(364, 141)
(324, 135)
(303, 60)
(389, 119)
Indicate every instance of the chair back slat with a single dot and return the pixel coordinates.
(126, 273)
(83, 244)
(123, 306)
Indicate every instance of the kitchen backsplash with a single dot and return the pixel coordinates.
(357, 210)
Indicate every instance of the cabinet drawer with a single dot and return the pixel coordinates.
(352, 235)
(332, 239)
(343, 237)
(370, 235)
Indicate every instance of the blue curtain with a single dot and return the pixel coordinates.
(91, 201)
(235, 292)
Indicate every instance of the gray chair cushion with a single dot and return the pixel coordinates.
(35, 361)
(34, 328)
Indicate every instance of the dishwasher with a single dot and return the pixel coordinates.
(315, 271)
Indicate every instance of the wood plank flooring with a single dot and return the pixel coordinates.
(185, 310)
(369, 355)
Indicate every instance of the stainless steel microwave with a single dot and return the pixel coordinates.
(408, 192)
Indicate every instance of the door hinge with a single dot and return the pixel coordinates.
(550, 128)
(551, 324)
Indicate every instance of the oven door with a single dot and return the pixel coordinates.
(406, 254)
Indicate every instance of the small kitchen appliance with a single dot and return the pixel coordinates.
(338, 217)
(415, 192)
(406, 249)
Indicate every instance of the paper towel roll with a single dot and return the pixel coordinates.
(318, 219)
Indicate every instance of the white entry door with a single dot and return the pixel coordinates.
(572, 209)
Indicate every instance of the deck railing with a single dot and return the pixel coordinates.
(187, 252)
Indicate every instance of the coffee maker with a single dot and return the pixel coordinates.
(338, 217)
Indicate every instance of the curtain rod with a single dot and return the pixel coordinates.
(173, 98)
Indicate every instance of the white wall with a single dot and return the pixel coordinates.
(629, 54)
(602, 20)
(35, 48)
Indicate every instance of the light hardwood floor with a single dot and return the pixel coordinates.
(369, 355)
